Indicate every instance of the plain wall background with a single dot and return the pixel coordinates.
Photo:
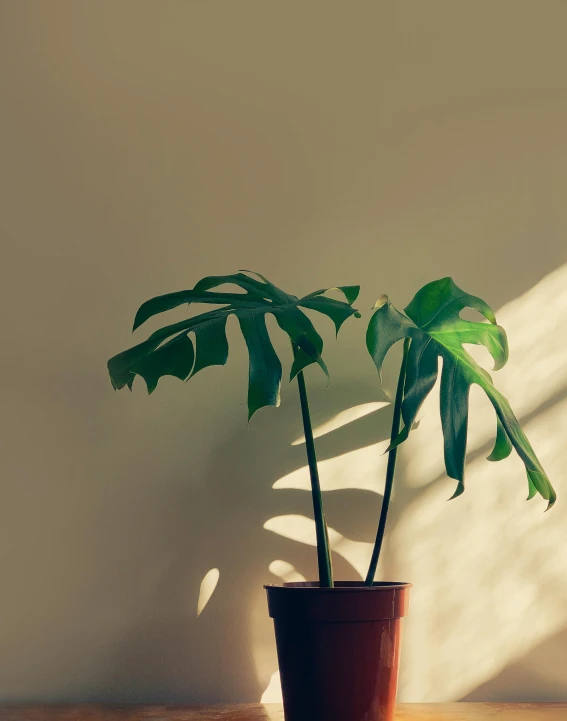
(146, 144)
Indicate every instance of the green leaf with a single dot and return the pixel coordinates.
(454, 419)
(307, 343)
(432, 321)
(274, 293)
(173, 300)
(350, 292)
(336, 310)
(502, 446)
(120, 367)
(386, 327)
(211, 344)
(442, 299)
(265, 369)
(256, 297)
(174, 358)
(421, 375)
(536, 475)
(250, 285)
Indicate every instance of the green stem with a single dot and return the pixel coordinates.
(391, 468)
(323, 550)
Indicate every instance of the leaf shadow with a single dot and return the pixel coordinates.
(214, 522)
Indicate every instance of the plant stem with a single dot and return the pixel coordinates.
(391, 468)
(323, 550)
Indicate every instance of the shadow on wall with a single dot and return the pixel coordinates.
(489, 571)
(152, 149)
(157, 659)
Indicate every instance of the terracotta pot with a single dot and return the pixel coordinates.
(338, 649)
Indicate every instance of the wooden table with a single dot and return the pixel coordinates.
(274, 712)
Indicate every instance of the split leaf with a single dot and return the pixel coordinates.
(184, 348)
(433, 323)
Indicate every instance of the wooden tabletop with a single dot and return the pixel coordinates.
(274, 712)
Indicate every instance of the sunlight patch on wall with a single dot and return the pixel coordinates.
(488, 569)
(343, 418)
(302, 529)
(285, 571)
(208, 586)
(273, 692)
(363, 469)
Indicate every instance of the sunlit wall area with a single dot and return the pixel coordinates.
(492, 581)
(489, 574)
(145, 145)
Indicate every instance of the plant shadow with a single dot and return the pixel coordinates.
(169, 654)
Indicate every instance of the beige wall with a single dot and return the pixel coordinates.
(146, 144)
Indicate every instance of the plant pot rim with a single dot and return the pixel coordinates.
(348, 601)
(340, 586)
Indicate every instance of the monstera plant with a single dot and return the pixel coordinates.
(334, 667)
(172, 351)
(431, 328)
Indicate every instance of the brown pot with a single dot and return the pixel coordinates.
(338, 649)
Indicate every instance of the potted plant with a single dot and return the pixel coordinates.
(338, 642)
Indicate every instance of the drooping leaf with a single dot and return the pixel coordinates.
(432, 321)
(307, 343)
(211, 344)
(502, 446)
(120, 367)
(454, 421)
(337, 311)
(173, 358)
(265, 370)
(166, 351)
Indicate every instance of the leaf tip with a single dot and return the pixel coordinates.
(381, 302)
(494, 457)
(458, 491)
(399, 439)
(138, 319)
(253, 410)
